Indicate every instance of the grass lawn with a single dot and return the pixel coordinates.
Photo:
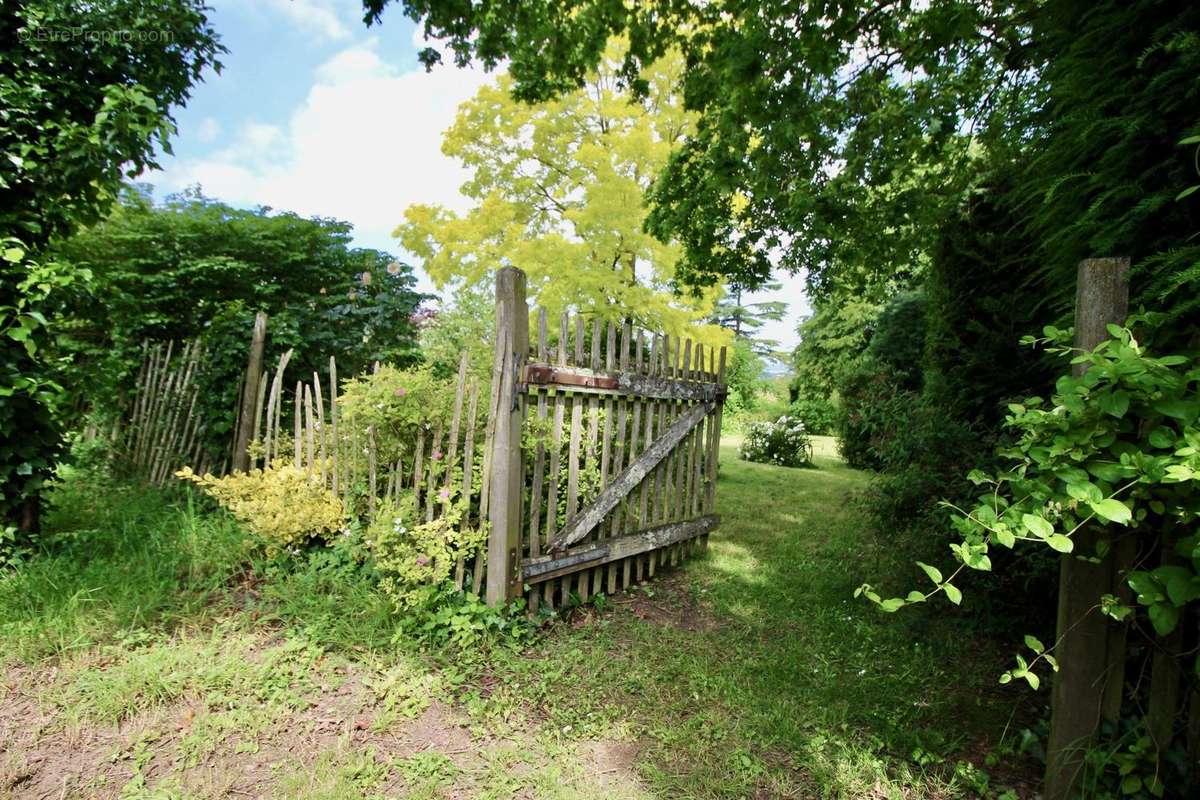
(158, 667)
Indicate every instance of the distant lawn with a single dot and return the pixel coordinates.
(143, 659)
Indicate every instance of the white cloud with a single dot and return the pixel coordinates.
(363, 146)
(320, 17)
(209, 130)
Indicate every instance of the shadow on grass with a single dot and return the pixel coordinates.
(793, 685)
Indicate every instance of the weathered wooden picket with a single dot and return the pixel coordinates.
(161, 432)
(597, 451)
(619, 477)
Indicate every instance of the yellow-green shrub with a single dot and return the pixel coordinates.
(282, 505)
(417, 558)
(395, 404)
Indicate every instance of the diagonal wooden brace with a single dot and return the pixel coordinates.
(630, 477)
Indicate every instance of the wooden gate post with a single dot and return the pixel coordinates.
(1090, 649)
(245, 431)
(504, 504)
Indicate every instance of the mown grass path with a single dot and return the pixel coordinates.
(155, 669)
(754, 671)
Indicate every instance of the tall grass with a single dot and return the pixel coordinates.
(115, 563)
(121, 564)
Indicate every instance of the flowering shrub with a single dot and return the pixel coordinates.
(393, 405)
(417, 558)
(782, 442)
(282, 505)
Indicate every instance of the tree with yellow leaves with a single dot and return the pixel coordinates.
(558, 190)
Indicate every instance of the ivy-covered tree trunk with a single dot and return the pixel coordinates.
(1086, 637)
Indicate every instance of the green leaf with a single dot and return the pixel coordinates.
(1146, 588)
(1161, 437)
(1006, 538)
(978, 560)
(1184, 410)
(892, 604)
(953, 593)
(1183, 589)
(1164, 618)
(1112, 510)
(1037, 525)
(1106, 471)
(1062, 544)
(1034, 680)
(1034, 644)
(1131, 785)
(1114, 404)
(934, 573)
(1113, 608)
(1187, 192)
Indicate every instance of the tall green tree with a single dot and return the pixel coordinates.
(86, 94)
(843, 136)
(746, 319)
(558, 191)
(833, 339)
(193, 266)
(829, 135)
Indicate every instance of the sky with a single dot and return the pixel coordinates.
(315, 113)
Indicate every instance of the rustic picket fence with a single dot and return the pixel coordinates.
(597, 450)
(162, 430)
(641, 417)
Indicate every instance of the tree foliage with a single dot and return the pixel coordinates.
(832, 342)
(813, 124)
(819, 129)
(746, 319)
(86, 92)
(193, 266)
(558, 190)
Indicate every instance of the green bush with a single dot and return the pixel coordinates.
(783, 442)
(879, 393)
(283, 506)
(899, 340)
(871, 402)
(417, 559)
(819, 414)
(833, 342)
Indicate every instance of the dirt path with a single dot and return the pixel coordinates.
(339, 730)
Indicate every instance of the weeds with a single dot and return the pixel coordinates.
(118, 563)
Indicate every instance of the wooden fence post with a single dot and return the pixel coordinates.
(1090, 649)
(504, 506)
(245, 431)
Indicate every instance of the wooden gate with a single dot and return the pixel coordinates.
(604, 454)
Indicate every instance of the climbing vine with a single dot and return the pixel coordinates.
(1117, 445)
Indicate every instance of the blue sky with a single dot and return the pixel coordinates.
(317, 114)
